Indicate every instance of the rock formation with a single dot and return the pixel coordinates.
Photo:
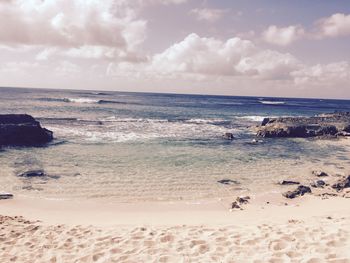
(22, 130)
(332, 124)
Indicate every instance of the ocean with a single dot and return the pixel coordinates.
(130, 147)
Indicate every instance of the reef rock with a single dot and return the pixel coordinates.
(332, 124)
(22, 130)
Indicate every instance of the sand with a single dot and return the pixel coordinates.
(308, 229)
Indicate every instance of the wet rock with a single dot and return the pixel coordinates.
(22, 130)
(319, 173)
(326, 125)
(6, 196)
(265, 121)
(228, 182)
(300, 191)
(228, 136)
(32, 173)
(342, 184)
(318, 184)
(286, 182)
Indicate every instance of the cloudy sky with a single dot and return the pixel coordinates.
(234, 47)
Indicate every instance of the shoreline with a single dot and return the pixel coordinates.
(207, 212)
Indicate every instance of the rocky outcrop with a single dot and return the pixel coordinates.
(22, 130)
(333, 124)
(300, 191)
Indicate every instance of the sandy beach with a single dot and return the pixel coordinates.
(307, 229)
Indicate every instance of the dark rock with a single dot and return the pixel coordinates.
(286, 182)
(342, 184)
(326, 125)
(265, 121)
(319, 173)
(300, 191)
(243, 200)
(22, 130)
(33, 173)
(228, 136)
(235, 205)
(318, 184)
(228, 182)
(6, 196)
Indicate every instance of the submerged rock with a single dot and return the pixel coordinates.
(243, 199)
(22, 130)
(300, 191)
(228, 182)
(286, 182)
(318, 184)
(228, 136)
(342, 184)
(6, 196)
(319, 173)
(334, 124)
(235, 205)
(33, 173)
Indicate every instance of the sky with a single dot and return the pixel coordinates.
(277, 48)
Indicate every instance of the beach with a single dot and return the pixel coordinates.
(306, 230)
(126, 177)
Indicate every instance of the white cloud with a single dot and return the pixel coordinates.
(72, 24)
(334, 26)
(323, 74)
(202, 58)
(208, 14)
(268, 64)
(167, 2)
(67, 68)
(283, 36)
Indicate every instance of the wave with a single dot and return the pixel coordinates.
(116, 129)
(252, 118)
(86, 100)
(82, 100)
(72, 100)
(272, 102)
(206, 121)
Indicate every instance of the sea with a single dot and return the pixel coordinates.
(132, 147)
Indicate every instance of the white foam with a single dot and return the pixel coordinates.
(128, 129)
(204, 121)
(252, 118)
(272, 102)
(82, 100)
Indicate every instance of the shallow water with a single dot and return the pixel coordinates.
(133, 147)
